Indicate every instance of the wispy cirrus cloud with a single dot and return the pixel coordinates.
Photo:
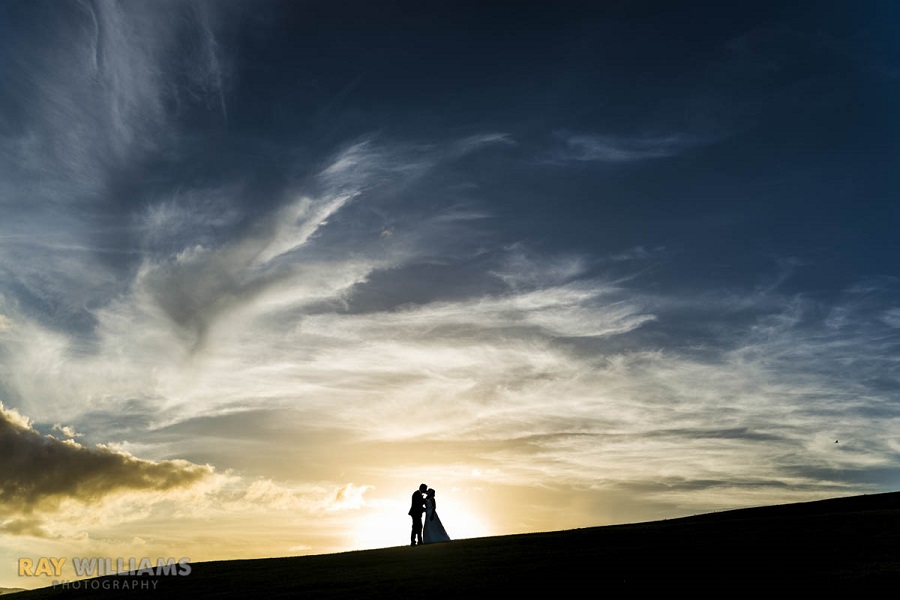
(545, 371)
(607, 148)
(94, 104)
(193, 284)
(102, 96)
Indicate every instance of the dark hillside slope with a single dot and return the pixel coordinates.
(845, 544)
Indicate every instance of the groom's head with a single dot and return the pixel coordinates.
(423, 488)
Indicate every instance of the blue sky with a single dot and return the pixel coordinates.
(274, 263)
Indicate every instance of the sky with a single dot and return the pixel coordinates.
(265, 267)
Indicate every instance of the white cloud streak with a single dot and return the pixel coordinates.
(545, 375)
(622, 149)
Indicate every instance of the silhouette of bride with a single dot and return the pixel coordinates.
(434, 529)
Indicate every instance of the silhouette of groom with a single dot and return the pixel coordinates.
(417, 507)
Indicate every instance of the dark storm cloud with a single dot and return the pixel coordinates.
(39, 471)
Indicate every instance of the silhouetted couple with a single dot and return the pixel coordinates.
(423, 503)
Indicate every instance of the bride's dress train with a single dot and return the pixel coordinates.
(434, 529)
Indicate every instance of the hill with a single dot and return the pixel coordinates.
(844, 544)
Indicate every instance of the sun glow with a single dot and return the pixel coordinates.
(384, 523)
